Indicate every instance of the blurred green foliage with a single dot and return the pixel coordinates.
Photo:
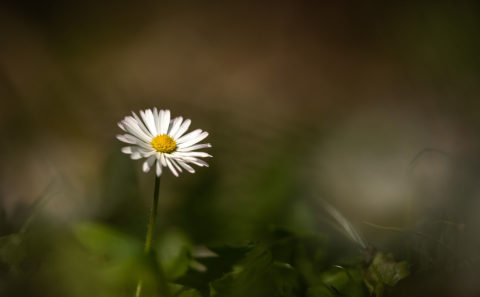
(285, 260)
(384, 271)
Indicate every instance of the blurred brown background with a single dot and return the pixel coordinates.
(373, 106)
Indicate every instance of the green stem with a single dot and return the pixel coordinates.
(150, 228)
(153, 216)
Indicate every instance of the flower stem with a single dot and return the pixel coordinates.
(150, 228)
(153, 216)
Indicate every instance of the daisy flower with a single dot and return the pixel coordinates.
(163, 141)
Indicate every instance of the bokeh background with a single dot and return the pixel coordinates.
(371, 106)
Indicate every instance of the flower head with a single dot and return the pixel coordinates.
(162, 141)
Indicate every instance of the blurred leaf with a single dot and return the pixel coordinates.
(336, 278)
(107, 241)
(13, 250)
(384, 270)
(259, 275)
(173, 253)
(216, 267)
(343, 281)
(286, 279)
(322, 291)
(306, 252)
(286, 265)
(249, 276)
(119, 259)
(12, 253)
(188, 293)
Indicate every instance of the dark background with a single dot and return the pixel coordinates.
(372, 106)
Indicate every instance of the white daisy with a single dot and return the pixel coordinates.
(162, 141)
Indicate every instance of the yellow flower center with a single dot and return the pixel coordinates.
(164, 143)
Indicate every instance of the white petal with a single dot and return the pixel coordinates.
(182, 129)
(196, 161)
(148, 163)
(134, 122)
(191, 154)
(175, 164)
(145, 121)
(193, 147)
(175, 125)
(193, 160)
(144, 145)
(132, 127)
(158, 170)
(137, 150)
(127, 150)
(193, 140)
(169, 164)
(162, 159)
(185, 166)
(135, 156)
(156, 117)
(189, 136)
(161, 115)
(127, 138)
(165, 122)
(122, 126)
(141, 125)
(150, 122)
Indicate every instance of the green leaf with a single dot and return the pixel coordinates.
(119, 259)
(321, 291)
(12, 252)
(216, 267)
(249, 277)
(286, 279)
(173, 253)
(384, 271)
(343, 281)
(104, 240)
(188, 293)
(335, 278)
(13, 249)
(259, 275)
